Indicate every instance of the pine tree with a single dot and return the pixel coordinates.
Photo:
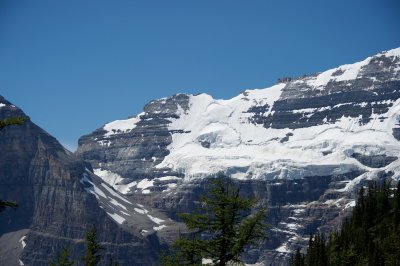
(370, 237)
(220, 231)
(63, 259)
(297, 259)
(94, 249)
(397, 205)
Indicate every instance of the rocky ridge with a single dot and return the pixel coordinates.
(60, 198)
(304, 146)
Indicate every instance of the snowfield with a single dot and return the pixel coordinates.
(217, 135)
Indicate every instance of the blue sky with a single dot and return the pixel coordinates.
(76, 65)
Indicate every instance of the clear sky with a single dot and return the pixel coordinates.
(75, 65)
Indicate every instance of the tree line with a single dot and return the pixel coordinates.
(371, 236)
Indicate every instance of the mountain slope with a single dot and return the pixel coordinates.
(59, 199)
(303, 146)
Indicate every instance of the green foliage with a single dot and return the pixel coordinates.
(12, 121)
(297, 259)
(63, 259)
(94, 249)
(5, 204)
(370, 237)
(221, 229)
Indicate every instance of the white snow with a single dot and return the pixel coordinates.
(252, 151)
(2, 105)
(22, 241)
(283, 249)
(290, 226)
(121, 126)
(219, 137)
(114, 180)
(141, 211)
(167, 178)
(93, 189)
(119, 219)
(392, 53)
(115, 194)
(158, 228)
(351, 204)
(116, 203)
(342, 73)
(155, 219)
(206, 261)
(21, 263)
(145, 183)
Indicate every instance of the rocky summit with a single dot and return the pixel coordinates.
(303, 146)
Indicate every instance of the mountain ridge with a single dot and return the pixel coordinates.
(303, 146)
(279, 112)
(59, 199)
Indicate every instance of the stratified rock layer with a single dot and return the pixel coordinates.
(56, 207)
(303, 146)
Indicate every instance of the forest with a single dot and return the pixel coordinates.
(370, 236)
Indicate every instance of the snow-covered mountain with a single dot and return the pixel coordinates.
(308, 126)
(304, 145)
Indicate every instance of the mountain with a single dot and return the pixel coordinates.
(60, 199)
(304, 146)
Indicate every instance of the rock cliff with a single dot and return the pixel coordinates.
(304, 146)
(59, 199)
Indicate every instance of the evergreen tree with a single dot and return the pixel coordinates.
(316, 253)
(94, 249)
(221, 229)
(63, 259)
(397, 205)
(370, 237)
(297, 259)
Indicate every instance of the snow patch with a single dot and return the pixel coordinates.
(22, 241)
(342, 73)
(114, 180)
(115, 194)
(119, 219)
(283, 249)
(155, 219)
(140, 211)
(92, 188)
(158, 228)
(121, 126)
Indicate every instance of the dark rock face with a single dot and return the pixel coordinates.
(348, 101)
(374, 161)
(373, 91)
(296, 208)
(135, 153)
(54, 209)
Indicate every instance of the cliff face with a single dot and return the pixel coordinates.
(59, 199)
(304, 146)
